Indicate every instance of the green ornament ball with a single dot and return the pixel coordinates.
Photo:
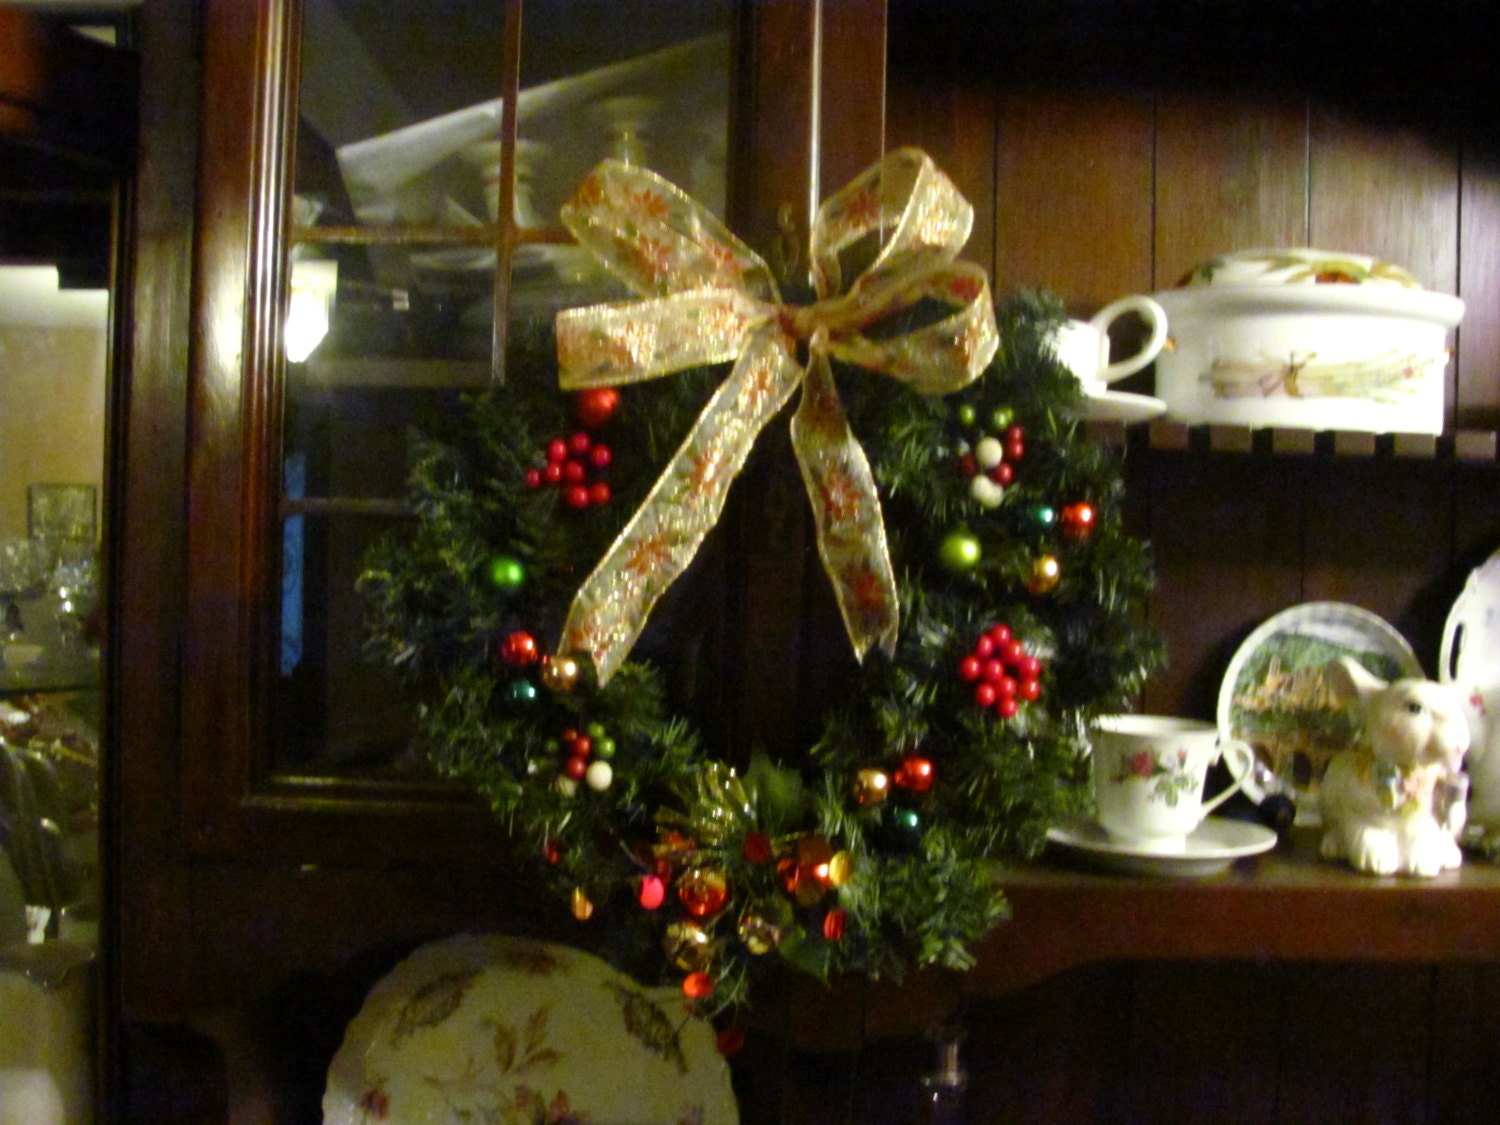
(967, 415)
(1042, 515)
(523, 691)
(505, 572)
(959, 551)
(1002, 418)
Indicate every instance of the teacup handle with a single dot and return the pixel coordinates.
(1241, 757)
(1149, 311)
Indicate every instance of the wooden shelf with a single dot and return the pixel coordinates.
(1288, 904)
(1468, 446)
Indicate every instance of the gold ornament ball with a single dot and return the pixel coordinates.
(560, 673)
(583, 909)
(759, 935)
(841, 868)
(871, 787)
(688, 947)
(1046, 573)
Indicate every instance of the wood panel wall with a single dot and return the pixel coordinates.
(1100, 168)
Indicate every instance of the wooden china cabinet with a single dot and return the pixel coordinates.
(273, 850)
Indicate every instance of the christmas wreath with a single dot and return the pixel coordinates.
(971, 532)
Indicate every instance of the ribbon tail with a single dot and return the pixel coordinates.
(846, 510)
(611, 607)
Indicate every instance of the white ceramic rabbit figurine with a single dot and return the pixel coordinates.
(1394, 803)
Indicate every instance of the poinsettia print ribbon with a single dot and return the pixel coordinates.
(707, 298)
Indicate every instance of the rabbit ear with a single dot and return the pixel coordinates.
(1351, 681)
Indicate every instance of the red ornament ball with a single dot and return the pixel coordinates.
(915, 774)
(1078, 520)
(703, 891)
(596, 406)
(695, 986)
(519, 649)
(652, 892)
(834, 923)
(756, 847)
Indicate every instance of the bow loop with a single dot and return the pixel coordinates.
(657, 239)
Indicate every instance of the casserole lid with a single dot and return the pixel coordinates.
(1299, 266)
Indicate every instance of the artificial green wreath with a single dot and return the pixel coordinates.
(876, 849)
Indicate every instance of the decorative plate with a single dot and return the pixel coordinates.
(1275, 697)
(1209, 849)
(1470, 658)
(511, 1031)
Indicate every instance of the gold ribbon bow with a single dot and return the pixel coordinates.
(707, 298)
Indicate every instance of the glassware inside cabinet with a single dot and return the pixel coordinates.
(423, 217)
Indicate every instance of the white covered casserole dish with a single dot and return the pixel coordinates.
(1306, 339)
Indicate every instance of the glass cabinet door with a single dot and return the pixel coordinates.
(434, 145)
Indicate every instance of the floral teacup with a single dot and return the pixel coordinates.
(1149, 772)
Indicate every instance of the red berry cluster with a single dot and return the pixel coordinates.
(1002, 673)
(575, 466)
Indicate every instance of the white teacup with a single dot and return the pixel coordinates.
(1082, 346)
(1149, 772)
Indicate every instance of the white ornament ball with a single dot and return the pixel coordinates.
(599, 775)
(986, 492)
(989, 452)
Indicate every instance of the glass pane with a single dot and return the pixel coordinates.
(339, 714)
(649, 84)
(393, 274)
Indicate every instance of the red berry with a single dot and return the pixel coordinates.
(999, 634)
(599, 492)
(1007, 707)
(1006, 686)
(968, 465)
(984, 647)
(994, 671)
(557, 450)
(969, 668)
(579, 443)
(600, 456)
(576, 496)
(1015, 433)
(574, 471)
(985, 694)
(1015, 450)
(576, 768)
(552, 474)
(533, 478)
(582, 746)
(1003, 473)
(1012, 652)
(1028, 667)
(1030, 690)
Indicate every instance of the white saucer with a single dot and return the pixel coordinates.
(1121, 406)
(1210, 848)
